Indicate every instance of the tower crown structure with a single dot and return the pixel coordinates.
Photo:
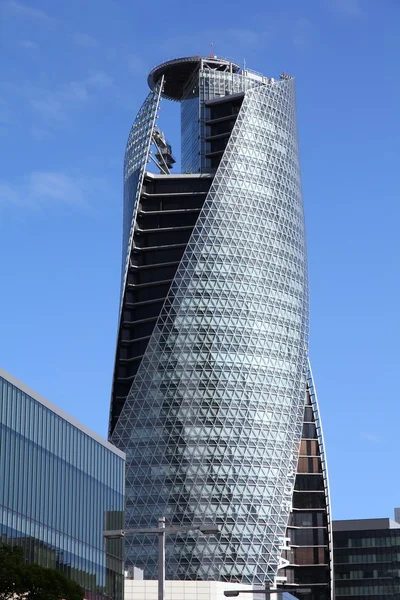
(213, 400)
(179, 71)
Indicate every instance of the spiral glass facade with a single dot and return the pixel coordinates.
(136, 157)
(211, 365)
(60, 487)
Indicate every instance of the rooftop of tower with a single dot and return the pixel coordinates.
(178, 71)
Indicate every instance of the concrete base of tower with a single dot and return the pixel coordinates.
(193, 590)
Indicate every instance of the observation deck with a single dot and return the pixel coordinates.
(177, 73)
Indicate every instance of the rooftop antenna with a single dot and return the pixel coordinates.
(212, 55)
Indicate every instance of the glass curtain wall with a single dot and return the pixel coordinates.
(59, 489)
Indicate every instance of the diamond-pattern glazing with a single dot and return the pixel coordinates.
(213, 421)
(135, 162)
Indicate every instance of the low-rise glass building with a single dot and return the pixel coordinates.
(367, 558)
(61, 485)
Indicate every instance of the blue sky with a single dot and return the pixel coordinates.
(73, 75)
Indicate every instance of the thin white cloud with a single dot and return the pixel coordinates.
(22, 10)
(56, 187)
(85, 40)
(136, 65)
(349, 7)
(98, 79)
(57, 104)
(301, 33)
(52, 107)
(49, 188)
(5, 113)
(27, 45)
(8, 195)
(47, 105)
(41, 133)
(243, 36)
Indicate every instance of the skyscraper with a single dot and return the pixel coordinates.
(212, 393)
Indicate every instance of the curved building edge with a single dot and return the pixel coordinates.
(314, 399)
(136, 158)
(307, 555)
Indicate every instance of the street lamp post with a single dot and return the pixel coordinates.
(267, 591)
(161, 559)
(162, 531)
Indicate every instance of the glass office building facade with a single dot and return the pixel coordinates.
(60, 487)
(367, 558)
(211, 370)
